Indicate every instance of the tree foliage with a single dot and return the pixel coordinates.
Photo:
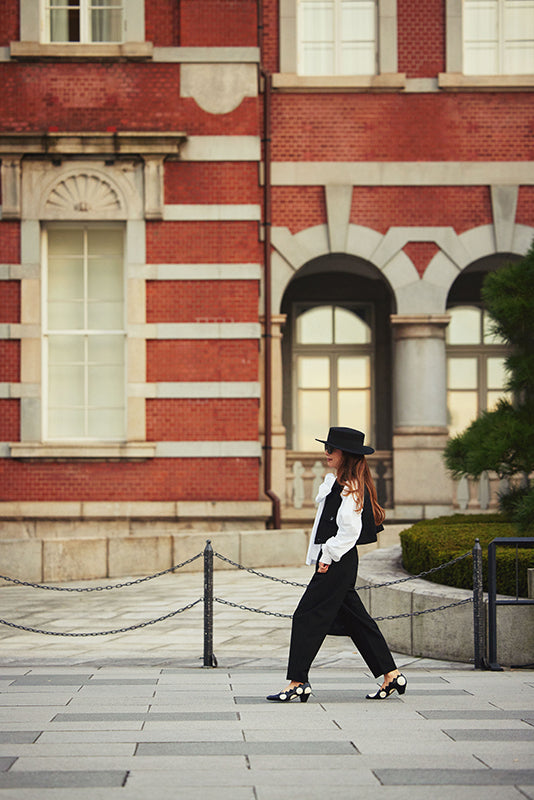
(502, 440)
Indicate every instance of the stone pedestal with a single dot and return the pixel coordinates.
(422, 487)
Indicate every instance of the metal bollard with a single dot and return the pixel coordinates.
(209, 658)
(478, 609)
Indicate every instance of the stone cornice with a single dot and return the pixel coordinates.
(166, 144)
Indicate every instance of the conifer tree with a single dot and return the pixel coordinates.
(502, 440)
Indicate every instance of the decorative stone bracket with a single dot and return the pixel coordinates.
(152, 148)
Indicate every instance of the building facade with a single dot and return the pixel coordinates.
(229, 224)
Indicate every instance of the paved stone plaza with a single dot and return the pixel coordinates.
(135, 715)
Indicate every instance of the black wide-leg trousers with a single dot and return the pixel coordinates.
(330, 602)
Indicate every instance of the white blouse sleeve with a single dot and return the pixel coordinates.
(349, 524)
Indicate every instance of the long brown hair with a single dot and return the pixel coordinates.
(354, 475)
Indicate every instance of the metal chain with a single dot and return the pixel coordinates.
(103, 633)
(377, 619)
(99, 588)
(260, 574)
(256, 610)
(367, 586)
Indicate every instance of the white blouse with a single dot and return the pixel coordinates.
(349, 524)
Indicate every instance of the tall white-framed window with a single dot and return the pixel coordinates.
(337, 37)
(332, 370)
(498, 37)
(83, 21)
(84, 333)
(476, 375)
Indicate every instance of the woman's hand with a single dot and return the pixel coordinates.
(323, 567)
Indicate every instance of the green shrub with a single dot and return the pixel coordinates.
(429, 543)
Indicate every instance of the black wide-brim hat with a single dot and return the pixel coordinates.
(349, 440)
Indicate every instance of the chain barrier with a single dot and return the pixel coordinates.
(99, 588)
(367, 586)
(103, 633)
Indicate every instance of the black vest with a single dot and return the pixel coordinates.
(327, 526)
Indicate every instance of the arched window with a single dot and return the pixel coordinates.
(475, 366)
(332, 369)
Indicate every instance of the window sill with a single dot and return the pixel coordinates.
(28, 51)
(83, 451)
(387, 82)
(455, 81)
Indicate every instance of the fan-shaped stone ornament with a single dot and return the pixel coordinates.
(81, 194)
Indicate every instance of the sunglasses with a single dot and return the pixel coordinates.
(329, 449)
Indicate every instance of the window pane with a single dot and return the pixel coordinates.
(496, 373)
(353, 409)
(106, 350)
(313, 414)
(66, 350)
(104, 241)
(353, 372)
(462, 373)
(64, 21)
(313, 373)
(65, 242)
(66, 423)
(492, 399)
(315, 326)
(106, 386)
(66, 385)
(106, 423)
(357, 37)
(65, 278)
(104, 280)
(462, 409)
(65, 316)
(464, 327)
(350, 328)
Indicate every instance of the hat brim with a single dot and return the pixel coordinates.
(364, 450)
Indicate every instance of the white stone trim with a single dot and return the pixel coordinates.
(207, 55)
(81, 450)
(504, 207)
(196, 330)
(221, 148)
(143, 509)
(247, 449)
(218, 88)
(17, 390)
(403, 173)
(195, 272)
(15, 330)
(445, 237)
(193, 389)
(224, 212)
(338, 205)
(18, 272)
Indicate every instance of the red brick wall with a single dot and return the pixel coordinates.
(381, 207)
(9, 242)
(394, 127)
(9, 420)
(421, 37)
(9, 361)
(210, 419)
(202, 301)
(211, 182)
(202, 360)
(212, 23)
(203, 242)
(128, 96)
(159, 479)
(9, 22)
(9, 300)
(525, 206)
(421, 253)
(162, 23)
(298, 207)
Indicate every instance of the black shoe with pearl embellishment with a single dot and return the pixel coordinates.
(399, 684)
(302, 691)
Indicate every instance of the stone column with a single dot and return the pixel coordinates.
(421, 485)
(278, 458)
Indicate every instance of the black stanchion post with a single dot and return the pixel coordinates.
(478, 608)
(209, 658)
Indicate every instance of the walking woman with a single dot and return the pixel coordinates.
(348, 513)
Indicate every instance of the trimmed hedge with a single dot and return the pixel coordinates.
(432, 542)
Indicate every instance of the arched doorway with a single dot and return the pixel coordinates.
(337, 367)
